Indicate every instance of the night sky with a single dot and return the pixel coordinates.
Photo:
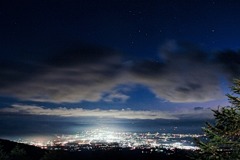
(67, 63)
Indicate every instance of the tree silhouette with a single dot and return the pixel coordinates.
(3, 154)
(223, 137)
(18, 153)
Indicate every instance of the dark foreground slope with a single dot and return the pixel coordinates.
(27, 152)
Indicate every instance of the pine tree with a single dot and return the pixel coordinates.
(223, 137)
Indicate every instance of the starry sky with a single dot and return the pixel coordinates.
(68, 61)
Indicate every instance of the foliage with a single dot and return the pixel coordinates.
(223, 137)
(18, 153)
(3, 154)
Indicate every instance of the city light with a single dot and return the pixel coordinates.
(106, 139)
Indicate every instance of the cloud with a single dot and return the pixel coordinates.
(79, 112)
(191, 113)
(195, 113)
(72, 76)
(198, 108)
(183, 74)
(116, 95)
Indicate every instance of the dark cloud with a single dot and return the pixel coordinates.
(71, 76)
(183, 74)
(175, 51)
(13, 72)
(229, 62)
(148, 69)
(83, 54)
(187, 74)
(195, 113)
(189, 87)
(198, 108)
